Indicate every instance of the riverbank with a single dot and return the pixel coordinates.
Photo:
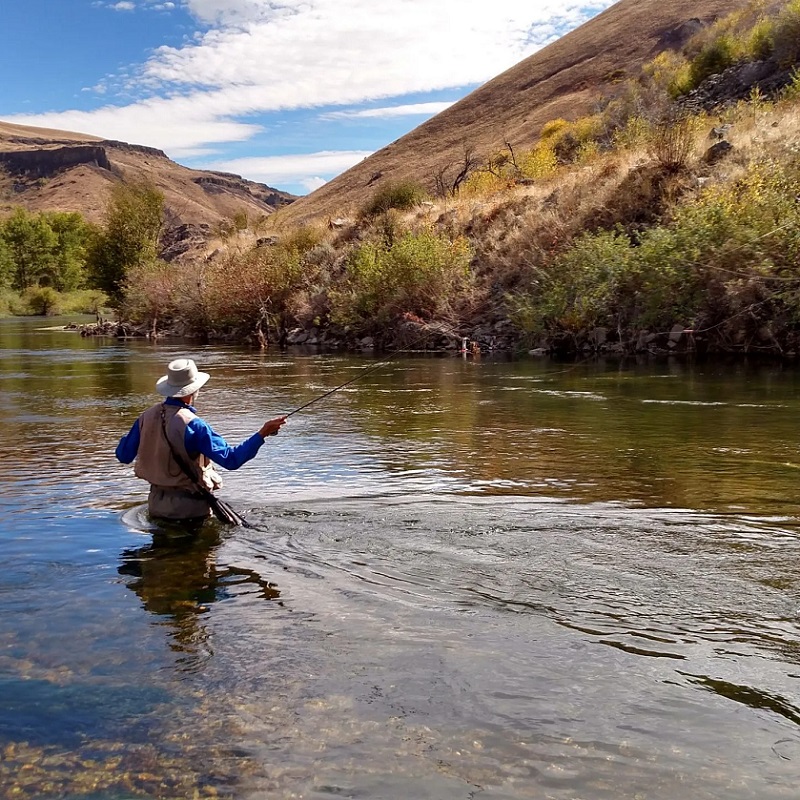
(479, 341)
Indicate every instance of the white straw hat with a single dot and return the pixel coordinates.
(182, 379)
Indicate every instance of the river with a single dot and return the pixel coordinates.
(466, 578)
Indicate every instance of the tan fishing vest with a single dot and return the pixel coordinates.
(154, 460)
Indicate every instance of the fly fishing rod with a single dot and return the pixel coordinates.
(224, 512)
(364, 373)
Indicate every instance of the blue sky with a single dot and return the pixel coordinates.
(288, 92)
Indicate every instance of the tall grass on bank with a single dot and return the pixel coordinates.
(238, 295)
(47, 302)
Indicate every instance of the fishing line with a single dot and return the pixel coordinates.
(368, 370)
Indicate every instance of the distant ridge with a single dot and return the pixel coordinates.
(49, 170)
(564, 79)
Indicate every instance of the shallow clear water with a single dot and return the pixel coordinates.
(466, 578)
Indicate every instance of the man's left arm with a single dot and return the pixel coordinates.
(128, 445)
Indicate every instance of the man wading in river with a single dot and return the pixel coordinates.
(174, 448)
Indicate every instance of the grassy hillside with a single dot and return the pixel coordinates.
(663, 218)
(564, 80)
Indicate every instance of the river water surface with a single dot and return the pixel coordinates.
(466, 578)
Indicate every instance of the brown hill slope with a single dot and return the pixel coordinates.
(564, 79)
(48, 170)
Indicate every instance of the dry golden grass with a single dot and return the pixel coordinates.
(514, 229)
(9, 132)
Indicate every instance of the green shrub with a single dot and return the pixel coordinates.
(580, 289)
(760, 40)
(301, 239)
(419, 274)
(730, 257)
(682, 82)
(791, 92)
(401, 196)
(43, 301)
(713, 59)
(7, 297)
(786, 34)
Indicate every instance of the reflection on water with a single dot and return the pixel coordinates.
(500, 579)
(751, 697)
(176, 575)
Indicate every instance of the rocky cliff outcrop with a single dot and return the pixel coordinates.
(45, 163)
(738, 82)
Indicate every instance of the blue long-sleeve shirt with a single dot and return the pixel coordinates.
(199, 437)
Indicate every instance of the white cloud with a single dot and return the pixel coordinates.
(130, 5)
(239, 12)
(306, 168)
(179, 125)
(256, 56)
(320, 52)
(312, 184)
(388, 112)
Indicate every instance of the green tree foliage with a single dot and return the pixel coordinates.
(6, 264)
(133, 221)
(67, 270)
(47, 249)
(43, 301)
(31, 243)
